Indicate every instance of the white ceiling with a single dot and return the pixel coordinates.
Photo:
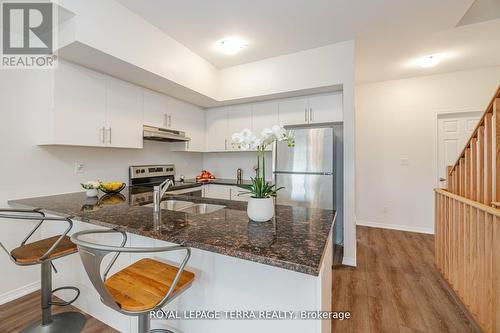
(389, 34)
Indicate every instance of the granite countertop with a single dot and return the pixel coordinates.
(295, 239)
(219, 181)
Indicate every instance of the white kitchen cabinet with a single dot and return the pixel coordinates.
(325, 108)
(315, 109)
(156, 109)
(92, 109)
(190, 119)
(235, 194)
(216, 123)
(124, 114)
(215, 191)
(264, 115)
(294, 111)
(78, 115)
(239, 117)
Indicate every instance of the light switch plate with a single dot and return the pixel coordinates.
(404, 161)
(79, 168)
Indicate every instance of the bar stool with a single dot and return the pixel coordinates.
(144, 286)
(42, 253)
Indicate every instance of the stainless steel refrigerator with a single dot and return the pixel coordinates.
(306, 170)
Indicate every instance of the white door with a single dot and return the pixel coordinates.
(325, 108)
(79, 106)
(294, 111)
(124, 114)
(216, 129)
(454, 131)
(239, 117)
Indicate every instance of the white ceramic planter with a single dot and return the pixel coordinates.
(92, 193)
(260, 209)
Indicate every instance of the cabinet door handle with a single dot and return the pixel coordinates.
(311, 114)
(166, 120)
(109, 135)
(305, 115)
(225, 144)
(169, 120)
(102, 135)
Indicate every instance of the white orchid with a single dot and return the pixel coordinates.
(246, 139)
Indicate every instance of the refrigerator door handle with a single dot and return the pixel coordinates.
(303, 173)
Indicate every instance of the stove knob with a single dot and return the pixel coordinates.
(137, 171)
(142, 170)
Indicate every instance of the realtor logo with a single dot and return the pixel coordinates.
(27, 35)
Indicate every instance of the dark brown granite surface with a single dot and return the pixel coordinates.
(295, 239)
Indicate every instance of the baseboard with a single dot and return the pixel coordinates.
(395, 227)
(19, 292)
(349, 261)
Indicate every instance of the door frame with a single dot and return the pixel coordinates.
(438, 114)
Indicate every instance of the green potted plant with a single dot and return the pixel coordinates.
(261, 204)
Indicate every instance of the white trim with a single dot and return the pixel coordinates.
(19, 292)
(396, 227)
(349, 261)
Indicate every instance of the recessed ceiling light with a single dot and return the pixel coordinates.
(230, 45)
(430, 60)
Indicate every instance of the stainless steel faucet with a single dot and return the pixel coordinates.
(158, 193)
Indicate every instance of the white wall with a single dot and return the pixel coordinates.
(28, 170)
(112, 28)
(397, 119)
(224, 165)
(319, 67)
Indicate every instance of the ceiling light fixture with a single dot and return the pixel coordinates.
(430, 60)
(230, 45)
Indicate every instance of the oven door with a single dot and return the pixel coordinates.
(190, 192)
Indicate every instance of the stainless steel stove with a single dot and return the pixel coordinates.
(142, 179)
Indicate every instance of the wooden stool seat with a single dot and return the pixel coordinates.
(32, 252)
(142, 285)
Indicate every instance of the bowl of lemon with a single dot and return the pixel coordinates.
(112, 187)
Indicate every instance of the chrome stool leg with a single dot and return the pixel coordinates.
(65, 322)
(145, 325)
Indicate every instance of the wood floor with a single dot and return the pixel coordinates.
(25, 310)
(395, 288)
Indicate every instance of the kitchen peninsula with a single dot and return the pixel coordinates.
(283, 264)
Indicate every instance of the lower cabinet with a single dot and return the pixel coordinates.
(215, 191)
(226, 192)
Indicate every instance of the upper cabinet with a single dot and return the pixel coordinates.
(314, 109)
(264, 115)
(78, 113)
(239, 117)
(124, 116)
(167, 112)
(190, 119)
(325, 108)
(294, 111)
(156, 109)
(222, 122)
(91, 109)
(216, 119)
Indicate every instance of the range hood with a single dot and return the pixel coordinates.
(162, 134)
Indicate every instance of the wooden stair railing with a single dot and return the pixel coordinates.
(467, 228)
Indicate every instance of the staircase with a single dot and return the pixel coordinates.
(467, 228)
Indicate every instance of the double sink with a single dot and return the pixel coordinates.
(189, 207)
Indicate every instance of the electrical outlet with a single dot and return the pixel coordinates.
(79, 168)
(385, 210)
